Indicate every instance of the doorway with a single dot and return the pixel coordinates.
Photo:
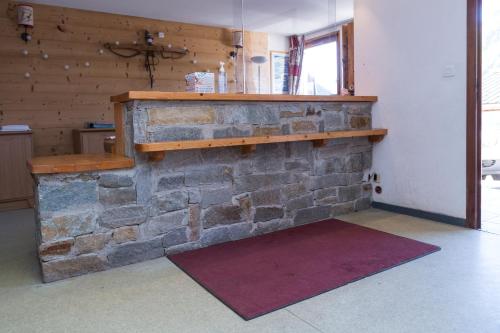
(490, 116)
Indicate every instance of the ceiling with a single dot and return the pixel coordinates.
(283, 17)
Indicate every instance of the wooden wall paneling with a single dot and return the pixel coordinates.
(54, 101)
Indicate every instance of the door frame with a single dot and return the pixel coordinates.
(473, 154)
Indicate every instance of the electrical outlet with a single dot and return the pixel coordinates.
(376, 178)
(367, 177)
(161, 34)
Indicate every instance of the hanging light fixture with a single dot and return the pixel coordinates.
(259, 60)
(25, 19)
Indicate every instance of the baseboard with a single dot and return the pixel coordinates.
(420, 214)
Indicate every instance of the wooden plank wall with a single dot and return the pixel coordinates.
(53, 101)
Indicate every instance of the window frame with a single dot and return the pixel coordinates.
(325, 39)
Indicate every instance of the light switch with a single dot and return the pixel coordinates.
(449, 71)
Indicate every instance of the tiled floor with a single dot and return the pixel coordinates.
(454, 290)
(490, 206)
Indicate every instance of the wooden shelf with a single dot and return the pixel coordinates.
(78, 163)
(186, 96)
(157, 150)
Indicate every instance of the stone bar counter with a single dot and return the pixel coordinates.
(193, 170)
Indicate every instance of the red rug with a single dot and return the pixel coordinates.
(258, 275)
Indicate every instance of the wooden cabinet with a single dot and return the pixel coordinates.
(16, 184)
(90, 140)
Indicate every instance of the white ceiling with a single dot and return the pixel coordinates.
(284, 17)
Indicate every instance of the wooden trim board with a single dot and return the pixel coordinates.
(249, 141)
(473, 155)
(185, 96)
(78, 163)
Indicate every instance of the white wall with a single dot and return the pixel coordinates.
(402, 48)
(278, 42)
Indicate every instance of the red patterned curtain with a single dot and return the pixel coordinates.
(295, 65)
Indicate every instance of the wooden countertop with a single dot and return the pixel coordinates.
(15, 132)
(94, 129)
(186, 96)
(78, 163)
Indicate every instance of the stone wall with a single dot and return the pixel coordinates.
(94, 221)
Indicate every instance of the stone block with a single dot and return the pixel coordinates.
(265, 131)
(240, 231)
(272, 226)
(111, 180)
(285, 129)
(231, 132)
(326, 196)
(342, 209)
(175, 133)
(298, 165)
(300, 150)
(266, 197)
(70, 267)
(300, 202)
(182, 115)
(245, 202)
(170, 182)
(215, 196)
(336, 179)
(55, 197)
(169, 202)
(194, 195)
(144, 182)
(221, 215)
(254, 114)
(354, 163)
(263, 214)
(249, 183)
(182, 248)
(125, 234)
(360, 122)
(304, 126)
(209, 174)
(215, 236)
(194, 222)
(117, 196)
(349, 193)
(54, 250)
(324, 167)
(291, 113)
(293, 190)
(175, 237)
(90, 243)
(358, 108)
(362, 204)
(162, 224)
(134, 252)
(122, 216)
(67, 226)
(334, 121)
(331, 107)
(311, 111)
(367, 159)
(313, 214)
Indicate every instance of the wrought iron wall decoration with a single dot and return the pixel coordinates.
(151, 53)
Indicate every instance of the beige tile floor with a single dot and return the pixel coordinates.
(454, 290)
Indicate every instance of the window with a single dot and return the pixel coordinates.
(321, 66)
